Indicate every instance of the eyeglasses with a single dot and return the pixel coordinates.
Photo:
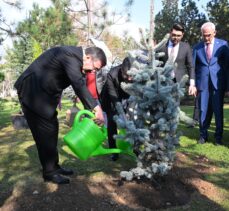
(176, 35)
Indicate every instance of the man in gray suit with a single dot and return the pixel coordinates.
(180, 54)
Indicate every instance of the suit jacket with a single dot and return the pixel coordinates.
(183, 61)
(40, 86)
(217, 68)
(112, 91)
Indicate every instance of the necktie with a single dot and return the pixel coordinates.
(208, 52)
(172, 54)
(171, 61)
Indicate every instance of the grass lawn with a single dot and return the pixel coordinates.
(19, 163)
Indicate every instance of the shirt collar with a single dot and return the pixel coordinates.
(170, 44)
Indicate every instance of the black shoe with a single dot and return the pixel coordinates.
(218, 142)
(56, 178)
(202, 140)
(64, 171)
(114, 157)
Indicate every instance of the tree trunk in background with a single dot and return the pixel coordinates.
(151, 32)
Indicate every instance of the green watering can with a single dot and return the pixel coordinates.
(86, 138)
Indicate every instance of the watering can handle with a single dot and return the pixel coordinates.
(90, 114)
(80, 113)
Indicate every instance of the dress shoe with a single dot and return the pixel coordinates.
(114, 157)
(64, 171)
(202, 140)
(56, 178)
(218, 142)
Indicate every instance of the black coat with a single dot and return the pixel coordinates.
(40, 86)
(183, 61)
(112, 91)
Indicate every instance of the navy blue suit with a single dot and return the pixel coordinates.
(211, 82)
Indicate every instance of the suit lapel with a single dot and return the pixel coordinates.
(215, 47)
(179, 50)
(203, 52)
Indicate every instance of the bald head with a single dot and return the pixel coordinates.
(208, 32)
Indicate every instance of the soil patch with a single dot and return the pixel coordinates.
(106, 192)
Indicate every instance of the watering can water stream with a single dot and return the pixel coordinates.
(86, 138)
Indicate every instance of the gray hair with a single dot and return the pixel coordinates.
(208, 25)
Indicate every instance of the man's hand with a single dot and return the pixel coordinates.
(192, 90)
(227, 93)
(99, 118)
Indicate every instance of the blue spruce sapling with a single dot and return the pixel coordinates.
(153, 116)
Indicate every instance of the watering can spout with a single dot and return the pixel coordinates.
(103, 151)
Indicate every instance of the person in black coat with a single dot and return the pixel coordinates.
(39, 90)
(111, 94)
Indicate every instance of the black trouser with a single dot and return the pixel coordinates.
(111, 129)
(196, 111)
(45, 134)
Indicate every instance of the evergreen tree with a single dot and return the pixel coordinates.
(155, 115)
(191, 20)
(49, 27)
(218, 12)
(44, 28)
(20, 56)
(165, 18)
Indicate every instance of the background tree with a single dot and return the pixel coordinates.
(93, 18)
(6, 29)
(44, 28)
(191, 19)
(189, 16)
(49, 27)
(165, 18)
(218, 12)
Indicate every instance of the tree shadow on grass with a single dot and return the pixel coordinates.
(104, 192)
(96, 184)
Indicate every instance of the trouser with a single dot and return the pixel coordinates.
(111, 130)
(211, 101)
(196, 111)
(45, 134)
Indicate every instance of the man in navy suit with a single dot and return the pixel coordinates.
(210, 58)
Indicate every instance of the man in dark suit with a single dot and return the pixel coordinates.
(39, 90)
(111, 94)
(180, 54)
(210, 58)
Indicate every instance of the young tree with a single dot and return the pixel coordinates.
(153, 129)
(154, 110)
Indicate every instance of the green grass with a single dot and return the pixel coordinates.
(19, 163)
(217, 155)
